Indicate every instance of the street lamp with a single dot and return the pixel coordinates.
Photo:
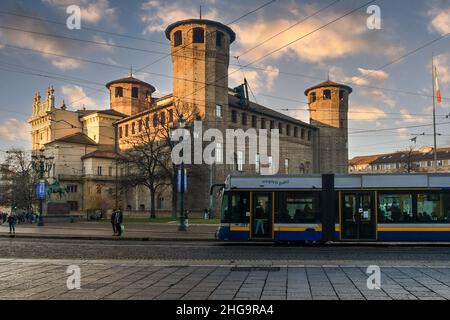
(42, 165)
(181, 184)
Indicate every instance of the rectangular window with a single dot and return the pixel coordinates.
(147, 122)
(240, 161)
(297, 207)
(263, 123)
(295, 132)
(219, 152)
(395, 208)
(99, 171)
(178, 39)
(233, 116)
(110, 171)
(302, 134)
(135, 92)
(155, 120)
(244, 119)
(218, 111)
(199, 35)
(163, 118)
(327, 94)
(254, 121)
(120, 132)
(433, 207)
(286, 166)
(288, 130)
(257, 163)
(280, 128)
(272, 125)
(126, 130)
(171, 115)
(119, 92)
(133, 128)
(309, 135)
(140, 125)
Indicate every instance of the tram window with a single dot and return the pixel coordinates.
(394, 208)
(433, 207)
(296, 208)
(236, 208)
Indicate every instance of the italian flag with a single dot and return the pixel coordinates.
(438, 90)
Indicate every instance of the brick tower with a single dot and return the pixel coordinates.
(200, 57)
(328, 105)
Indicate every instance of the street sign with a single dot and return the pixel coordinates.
(180, 178)
(41, 190)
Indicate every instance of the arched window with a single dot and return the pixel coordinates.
(219, 39)
(198, 35)
(313, 97)
(119, 92)
(177, 39)
(135, 92)
(341, 95)
(327, 94)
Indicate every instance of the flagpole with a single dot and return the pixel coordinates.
(434, 112)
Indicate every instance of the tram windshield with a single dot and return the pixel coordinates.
(235, 207)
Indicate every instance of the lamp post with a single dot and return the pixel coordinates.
(42, 165)
(181, 182)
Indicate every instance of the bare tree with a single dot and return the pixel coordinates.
(19, 190)
(145, 155)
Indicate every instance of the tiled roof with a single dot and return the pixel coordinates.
(102, 154)
(329, 83)
(78, 138)
(257, 108)
(132, 80)
(401, 156)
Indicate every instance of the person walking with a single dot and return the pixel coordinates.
(12, 224)
(119, 220)
(113, 221)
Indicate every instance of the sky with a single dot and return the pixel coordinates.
(391, 101)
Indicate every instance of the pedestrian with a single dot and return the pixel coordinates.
(119, 220)
(12, 224)
(113, 221)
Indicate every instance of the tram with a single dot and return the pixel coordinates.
(322, 208)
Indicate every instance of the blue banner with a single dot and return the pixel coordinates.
(41, 190)
(184, 181)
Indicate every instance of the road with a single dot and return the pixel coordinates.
(36, 269)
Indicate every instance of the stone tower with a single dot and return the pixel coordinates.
(130, 95)
(200, 57)
(328, 105)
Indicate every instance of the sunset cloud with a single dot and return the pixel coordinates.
(75, 95)
(13, 130)
(440, 20)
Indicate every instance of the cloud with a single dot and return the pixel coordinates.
(374, 74)
(403, 133)
(365, 113)
(443, 64)
(13, 130)
(345, 37)
(49, 44)
(92, 11)
(157, 15)
(75, 95)
(408, 118)
(259, 80)
(440, 20)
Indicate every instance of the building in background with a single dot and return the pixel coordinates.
(87, 144)
(421, 160)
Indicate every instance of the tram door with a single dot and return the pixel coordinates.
(262, 216)
(358, 216)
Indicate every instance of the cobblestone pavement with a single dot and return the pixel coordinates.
(46, 279)
(36, 269)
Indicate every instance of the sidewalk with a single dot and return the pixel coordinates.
(103, 231)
